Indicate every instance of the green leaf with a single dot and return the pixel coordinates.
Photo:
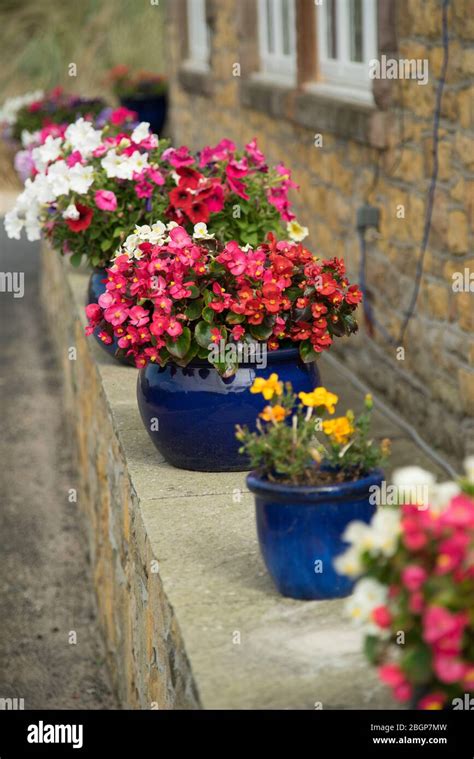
(208, 314)
(117, 232)
(417, 662)
(203, 334)
(232, 318)
(307, 352)
(195, 292)
(106, 244)
(208, 297)
(203, 353)
(76, 259)
(189, 355)
(193, 311)
(371, 648)
(181, 346)
(261, 331)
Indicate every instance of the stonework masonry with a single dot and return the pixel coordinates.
(433, 385)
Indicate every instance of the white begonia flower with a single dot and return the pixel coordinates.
(385, 528)
(33, 228)
(468, 465)
(131, 243)
(140, 132)
(414, 485)
(59, 178)
(295, 231)
(368, 595)
(143, 232)
(441, 494)
(171, 225)
(71, 212)
(81, 178)
(201, 232)
(82, 136)
(158, 229)
(47, 153)
(349, 563)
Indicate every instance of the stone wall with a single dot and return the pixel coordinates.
(145, 651)
(433, 385)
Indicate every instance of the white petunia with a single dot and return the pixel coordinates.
(111, 163)
(13, 225)
(81, 178)
(47, 153)
(413, 484)
(82, 136)
(29, 138)
(140, 132)
(137, 162)
(295, 231)
(71, 212)
(59, 178)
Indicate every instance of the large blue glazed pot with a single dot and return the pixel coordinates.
(95, 289)
(300, 528)
(152, 108)
(190, 413)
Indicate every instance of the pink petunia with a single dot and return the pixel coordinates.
(105, 200)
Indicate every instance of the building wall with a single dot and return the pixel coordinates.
(433, 384)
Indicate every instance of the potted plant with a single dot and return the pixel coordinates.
(142, 91)
(202, 319)
(312, 476)
(414, 598)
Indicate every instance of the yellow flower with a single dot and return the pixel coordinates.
(268, 388)
(295, 231)
(339, 429)
(273, 413)
(319, 397)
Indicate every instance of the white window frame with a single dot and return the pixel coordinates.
(198, 35)
(342, 77)
(276, 64)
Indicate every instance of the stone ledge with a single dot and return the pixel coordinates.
(169, 635)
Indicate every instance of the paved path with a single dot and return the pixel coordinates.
(45, 587)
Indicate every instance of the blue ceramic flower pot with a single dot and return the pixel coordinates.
(190, 413)
(95, 289)
(152, 108)
(299, 531)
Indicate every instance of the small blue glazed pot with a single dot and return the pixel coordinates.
(299, 531)
(151, 108)
(190, 413)
(95, 289)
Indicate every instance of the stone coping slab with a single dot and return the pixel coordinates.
(189, 614)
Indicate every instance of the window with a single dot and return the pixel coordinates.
(198, 34)
(277, 38)
(347, 41)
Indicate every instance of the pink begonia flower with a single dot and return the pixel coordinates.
(74, 158)
(139, 316)
(417, 602)
(448, 669)
(105, 337)
(237, 332)
(439, 623)
(106, 300)
(105, 200)
(94, 312)
(382, 617)
(402, 692)
(460, 512)
(180, 237)
(174, 328)
(116, 314)
(391, 674)
(433, 700)
(414, 577)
